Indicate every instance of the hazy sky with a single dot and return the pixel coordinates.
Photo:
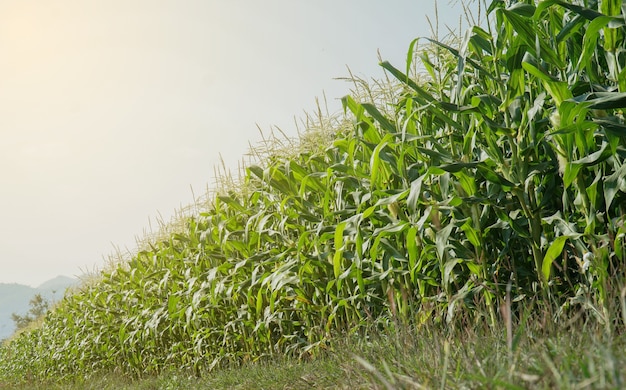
(111, 111)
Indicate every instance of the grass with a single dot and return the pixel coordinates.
(460, 228)
(581, 356)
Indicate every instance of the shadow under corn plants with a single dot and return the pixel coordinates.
(499, 167)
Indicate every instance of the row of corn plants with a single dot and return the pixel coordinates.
(501, 164)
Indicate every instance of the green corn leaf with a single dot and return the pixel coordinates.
(456, 108)
(349, 103)
(430, 67)
(380, 118)
(596, 157)
(570, 28)
(481, 39)
(409, 57)
(338, 257)
(427, 98)
(393, 198)
(602, 100)
(559, 90)
(456, 167)
(495, 4)
(279, 181)
(591, 38)
(468, 183)
(527, 34)
(448, 271)
(441, 240)
(375, 166)
(587, 13)
(518, 227)
(613, 184)
(493, 177)
(313, 183)
(368, 212)
(411, 246)
(570, 174)
(522, 9)
(488, 104)
(612, 127)
(414, 194)
(172, 304)
(592, 191)
(472, 235)
(532, 66)
(436, 155)
(456, 53)
(256, 170)
(552, 253)
(259, 303)
(611, 8)
(232, 203)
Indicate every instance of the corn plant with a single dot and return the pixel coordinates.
(502, 163)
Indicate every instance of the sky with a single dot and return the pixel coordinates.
(114, 114)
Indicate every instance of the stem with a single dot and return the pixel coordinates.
(535, 232)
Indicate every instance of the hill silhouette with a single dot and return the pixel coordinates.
(15, 298)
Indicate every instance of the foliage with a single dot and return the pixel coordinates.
(501, 169)
(427, 358)
(38, 308)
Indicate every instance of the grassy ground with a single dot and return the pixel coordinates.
(578, 356)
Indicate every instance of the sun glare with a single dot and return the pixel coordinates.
(29, 35)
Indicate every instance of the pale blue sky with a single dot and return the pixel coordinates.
(111, 110)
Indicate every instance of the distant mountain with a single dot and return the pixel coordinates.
(15, 298)
(59, 283)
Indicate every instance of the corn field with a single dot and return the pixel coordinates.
(493, 163)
